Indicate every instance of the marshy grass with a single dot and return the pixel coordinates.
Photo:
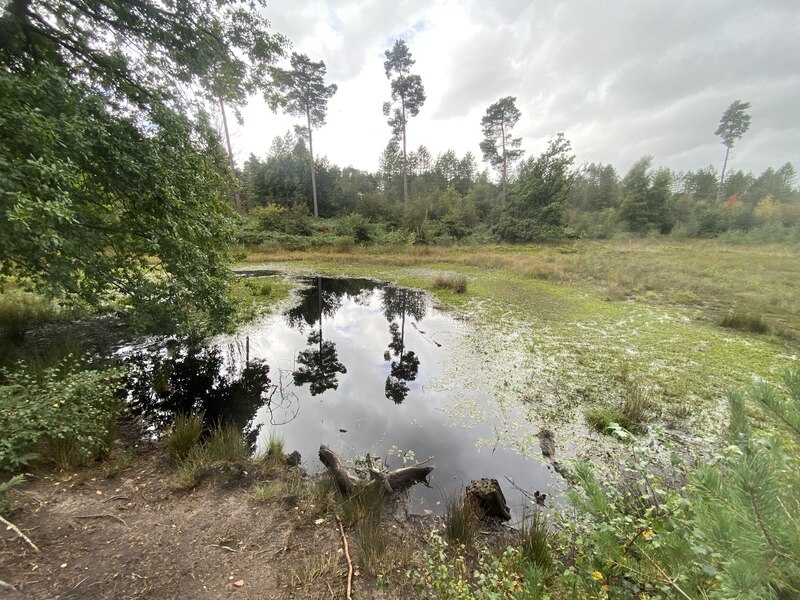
(460, 521)
(447, 281)
(21, 311)
(744, 322)
(533, 540)
(184, 435)
(631, 414)
(226, 444)
(275, 446)
(267, 493)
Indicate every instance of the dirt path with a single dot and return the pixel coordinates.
(131, 537)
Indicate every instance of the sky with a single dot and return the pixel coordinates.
(620, 79)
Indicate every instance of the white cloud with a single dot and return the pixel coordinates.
(638, 78)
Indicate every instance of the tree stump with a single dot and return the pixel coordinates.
(487, 499)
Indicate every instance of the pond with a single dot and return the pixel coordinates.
(358, 365)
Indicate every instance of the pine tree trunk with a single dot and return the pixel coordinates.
(722, 175)
(405, 157)
(505, 163)
(313, 174)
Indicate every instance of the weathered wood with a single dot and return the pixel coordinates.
(345, 481)
(487, 499)
(547, 441)
(391, 481)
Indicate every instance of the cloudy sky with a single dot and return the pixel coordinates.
(621, 79)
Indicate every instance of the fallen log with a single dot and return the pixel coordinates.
(395, 480)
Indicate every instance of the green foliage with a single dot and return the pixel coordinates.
(734, 123)
(6, 487)
(294, 220)
(64, 414)
(730, 531)
(108, 166)
(183, 435)
(536, 203)
(643, 206)
(498, 147)
(443, 573)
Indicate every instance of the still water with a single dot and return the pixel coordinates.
(357, 365)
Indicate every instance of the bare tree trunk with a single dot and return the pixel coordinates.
(405, 157)
(722, 175)
(505, 163)
(237, 201)
(391, 481)
(313, 173)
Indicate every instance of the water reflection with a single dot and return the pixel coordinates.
(184, 377)
(331, 369)
(397, 302)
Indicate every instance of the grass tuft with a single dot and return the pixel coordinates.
(363, 511)
(460, 521)
(455, 283)
(744, 322)
(20, 311)
(227, 444)
(534, 542)
(184, 435)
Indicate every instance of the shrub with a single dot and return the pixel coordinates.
(294, 220)
(68, 414)
(357, 227)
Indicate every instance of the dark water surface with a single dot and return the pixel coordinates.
(358, 365)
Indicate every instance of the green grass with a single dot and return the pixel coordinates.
(21, 311)
(226, 444)
(184, 435)
(744, 322)
(460, 521)
(533, 540)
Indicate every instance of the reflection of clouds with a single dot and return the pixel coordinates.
(423, 423)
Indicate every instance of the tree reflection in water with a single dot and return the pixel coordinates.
(397, 303)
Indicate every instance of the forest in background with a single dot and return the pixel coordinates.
(453, 199)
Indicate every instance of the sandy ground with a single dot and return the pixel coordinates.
(131, 536)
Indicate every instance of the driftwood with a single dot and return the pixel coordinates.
(391, 481)
(547, 441)
(487, 499)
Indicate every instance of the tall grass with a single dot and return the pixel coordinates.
(744, 322)
(460, 521)
(184, 435)
(226, 444)
(363, 511)
(533, 540)
(21, 311)
(455, 283)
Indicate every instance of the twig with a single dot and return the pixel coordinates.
(524, 492)
(117, 498)
(15, 529)
(347, 556)
(228, 548)
(101, 516)
(5, 585)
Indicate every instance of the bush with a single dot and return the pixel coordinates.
(295, 220)
(67, 414)
(357, 227)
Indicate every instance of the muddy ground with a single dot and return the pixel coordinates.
(133, 536)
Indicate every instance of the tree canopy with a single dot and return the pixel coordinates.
(407, 90)
(302, 92)
(113, 179)
(499, 148)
